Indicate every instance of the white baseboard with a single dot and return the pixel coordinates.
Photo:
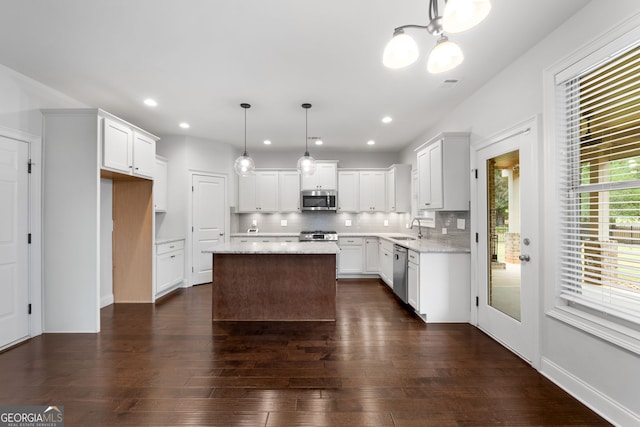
(106, 300)
(600, 403)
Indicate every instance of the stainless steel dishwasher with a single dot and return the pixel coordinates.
(400, 272)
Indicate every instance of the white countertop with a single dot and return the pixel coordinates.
(302, 248)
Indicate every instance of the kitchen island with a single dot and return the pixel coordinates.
(280, 281)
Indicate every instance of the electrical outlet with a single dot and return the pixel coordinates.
(444, 231)
(461, 224)
(386, 223)
(254, 222)
(283, 222)
(347, 223)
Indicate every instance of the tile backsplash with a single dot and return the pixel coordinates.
(363, 222)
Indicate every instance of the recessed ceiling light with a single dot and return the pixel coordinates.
(150, 102)
(267, 142)
(371, 142)
(387, 119)
(318, 142)
(185, 125)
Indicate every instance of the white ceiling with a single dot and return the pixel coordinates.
(201, 58)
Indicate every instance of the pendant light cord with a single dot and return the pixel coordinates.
(306, 131)
(245, 132)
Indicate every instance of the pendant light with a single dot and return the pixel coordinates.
(306, 163)
(244, 165)
(459, 15)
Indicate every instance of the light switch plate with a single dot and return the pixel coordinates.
(254, 222)
(444, 230)
(461, 224)
(386, 223)
(347, 223)
(283, 222)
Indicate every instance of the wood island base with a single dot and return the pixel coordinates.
(274, 287)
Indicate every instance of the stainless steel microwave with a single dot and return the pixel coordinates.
(319, 200)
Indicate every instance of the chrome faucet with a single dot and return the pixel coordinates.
(419, 226)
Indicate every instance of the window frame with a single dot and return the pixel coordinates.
(587, 57)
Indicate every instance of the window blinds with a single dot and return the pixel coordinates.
(599, 232)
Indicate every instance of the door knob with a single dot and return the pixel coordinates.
(524, 258)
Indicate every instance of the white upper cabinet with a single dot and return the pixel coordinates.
(348, 191)
(324, 178)
(144, 155)
(160, 179)
(127, 150)
(289, 191)
(117, 146)
(258, 192)
(399, 188)
(373, 191)
(443, 173)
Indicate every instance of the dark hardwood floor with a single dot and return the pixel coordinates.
(376, 365)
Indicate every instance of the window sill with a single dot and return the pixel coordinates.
(619, 335)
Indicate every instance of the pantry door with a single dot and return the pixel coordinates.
(506, 253)
(14, 249)
(209, 223)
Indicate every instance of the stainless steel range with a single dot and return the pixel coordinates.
(318, 236)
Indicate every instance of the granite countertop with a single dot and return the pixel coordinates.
(275, 248)
(162, 240)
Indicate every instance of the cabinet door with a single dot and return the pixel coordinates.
(373, 191)
(324, 178)
(117, 146)
(413, 279)
(371, 255)
(289, 191)
(160, 186)
(164, 274)
(247, 193)
(177, 267)
(430, 177)
(348, 186)
(144, 155)
(350, 259)
(267, 191)
(391, 190)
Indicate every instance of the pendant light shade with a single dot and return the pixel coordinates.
(461, 15)
(401, 51)
(244, 164)
(306, 163)
(444, 56)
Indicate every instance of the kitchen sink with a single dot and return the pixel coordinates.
(403, 238)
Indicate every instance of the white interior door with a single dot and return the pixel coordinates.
(14, 249)
(209, 222)
(506, 253)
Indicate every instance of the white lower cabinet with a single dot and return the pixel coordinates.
(386, 261)
(350, 260)
(169, 266)
(413, 279)
(444, 292)
(371, 256)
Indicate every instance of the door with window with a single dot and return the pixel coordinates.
(507, 262)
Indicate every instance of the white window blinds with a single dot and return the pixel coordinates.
(599, 175)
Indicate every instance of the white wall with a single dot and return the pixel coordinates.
(106, 242)
(602, 375)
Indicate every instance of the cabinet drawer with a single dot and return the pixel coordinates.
(414, 257)
(163, 248)
(387, 245)
(350, 241)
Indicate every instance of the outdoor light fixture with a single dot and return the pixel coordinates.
(306, 163)
(458, 16)
(244, 165)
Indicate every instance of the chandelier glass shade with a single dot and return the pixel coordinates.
(244, 165)
(306, 163)
(459, 15)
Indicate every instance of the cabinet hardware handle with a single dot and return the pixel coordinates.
(171, 247)
(173, 256)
